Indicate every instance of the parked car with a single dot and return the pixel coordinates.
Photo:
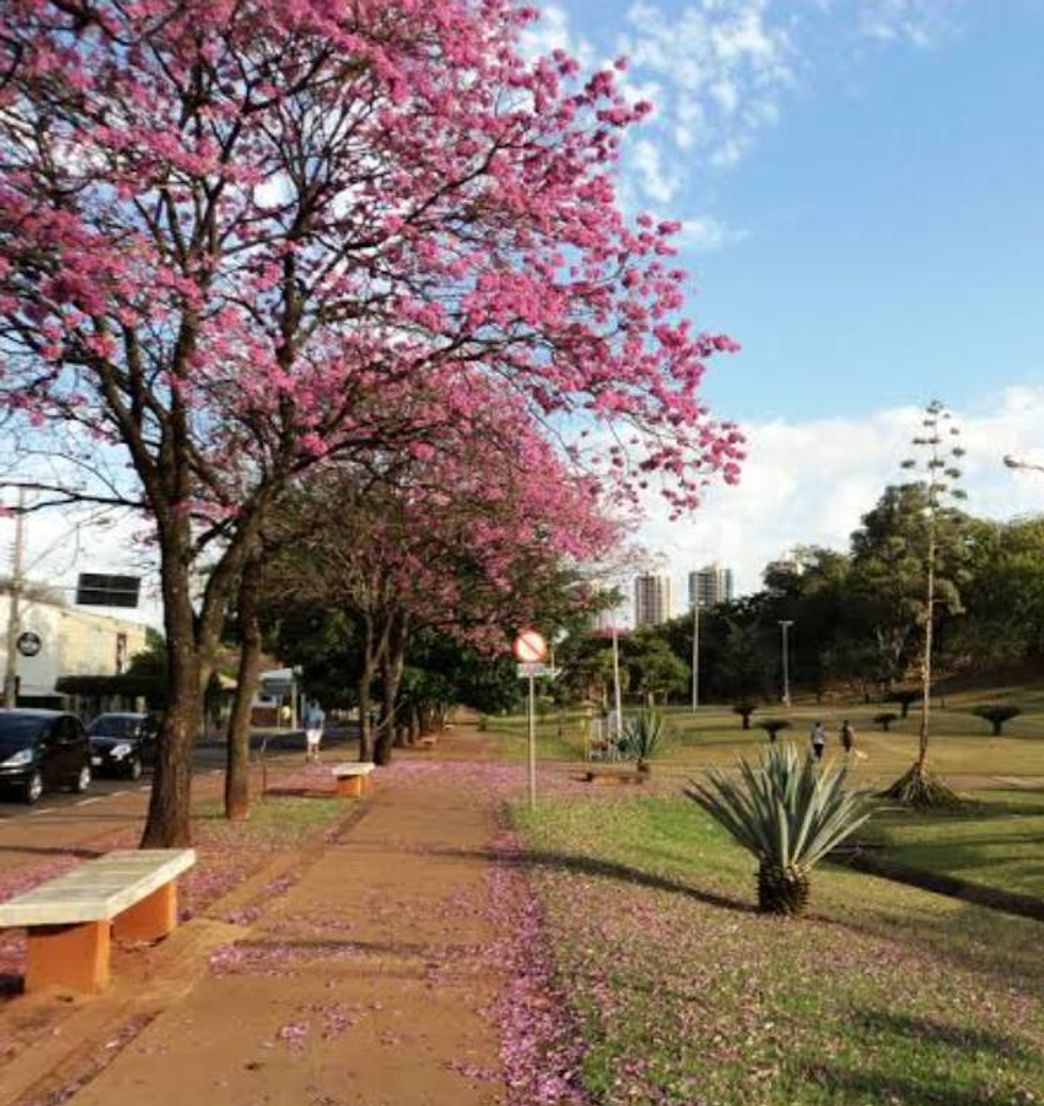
(41, 749)
(123, 744)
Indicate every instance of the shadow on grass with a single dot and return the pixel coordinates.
(606, 869)
(962, 1038)
(881, 1087)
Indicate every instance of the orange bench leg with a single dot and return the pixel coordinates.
(152, 918)
(349, 785)
(75, 957)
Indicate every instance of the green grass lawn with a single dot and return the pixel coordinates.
(961, 745)
(883, 995)
(998, 840)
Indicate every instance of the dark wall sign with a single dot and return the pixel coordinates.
(96, 589)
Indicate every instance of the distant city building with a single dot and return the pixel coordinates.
(710, 585)
(653, 599)
(787, 565)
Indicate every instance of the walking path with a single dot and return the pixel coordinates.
(363, 982)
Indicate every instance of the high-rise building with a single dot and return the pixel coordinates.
(710, 586)
(653, 599)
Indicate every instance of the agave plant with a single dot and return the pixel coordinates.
(789, 812)
(643, 734)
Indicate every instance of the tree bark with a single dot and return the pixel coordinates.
(237, 763)
(168, 824)
(393, 661)
(365, 692)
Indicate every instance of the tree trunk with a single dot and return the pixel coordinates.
(237, 764)
(168, 824)
(393, 661)
(414, 724)
(781, 890)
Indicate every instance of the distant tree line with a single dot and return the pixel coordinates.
(858, 616)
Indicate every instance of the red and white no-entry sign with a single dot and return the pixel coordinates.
(529, 647)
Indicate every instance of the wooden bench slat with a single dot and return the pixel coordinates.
(97, 890)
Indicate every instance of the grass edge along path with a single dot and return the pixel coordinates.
(884, 995)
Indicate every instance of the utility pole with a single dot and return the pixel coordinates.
(616, 680)
(695, 653)
(784, 625)
(14, 626)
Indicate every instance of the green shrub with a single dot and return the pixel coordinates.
(744, 708)
(789, 812)
(996, 714)
(643, 734)
(772, 726)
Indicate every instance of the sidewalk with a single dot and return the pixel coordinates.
(363, 982)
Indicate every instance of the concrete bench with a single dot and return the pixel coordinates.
(70, 920)
(353, 779)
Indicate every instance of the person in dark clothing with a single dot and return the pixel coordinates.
(847, 737)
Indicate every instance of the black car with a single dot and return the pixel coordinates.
(122, 744)
(42, 749)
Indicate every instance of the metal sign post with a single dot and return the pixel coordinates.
(532, 742)
(530, 649)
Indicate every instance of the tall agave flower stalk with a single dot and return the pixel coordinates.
(789, 812)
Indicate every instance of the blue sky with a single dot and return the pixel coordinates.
(862, 182)
(881, 218)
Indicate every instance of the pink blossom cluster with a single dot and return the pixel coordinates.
(268, 233)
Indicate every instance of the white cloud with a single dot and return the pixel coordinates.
(921, 23)
(704, 235)
(552, 31)
(810, 482)
(655, 182)
(721, 64)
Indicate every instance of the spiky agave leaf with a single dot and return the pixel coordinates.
(788, 810)
(643, 735)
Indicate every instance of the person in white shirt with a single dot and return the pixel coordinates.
(314, 719)
(819, 738)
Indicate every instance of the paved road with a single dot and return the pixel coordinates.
(209, 759)
(102, 787)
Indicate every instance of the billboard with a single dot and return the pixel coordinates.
(96, 589)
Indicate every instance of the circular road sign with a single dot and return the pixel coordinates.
(530, 647)
(29, 643)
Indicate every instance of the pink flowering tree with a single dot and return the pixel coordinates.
(463, 537)
(230, 230)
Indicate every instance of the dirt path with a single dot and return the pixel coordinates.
(363, 982)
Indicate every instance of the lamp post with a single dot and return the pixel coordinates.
(14, 615)
(784, 626)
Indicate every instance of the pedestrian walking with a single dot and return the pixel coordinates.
(847, 737)
(314, 719)
(819, 738)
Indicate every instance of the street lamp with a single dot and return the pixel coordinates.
(784, 626)
(14, 616)
(1014, 463)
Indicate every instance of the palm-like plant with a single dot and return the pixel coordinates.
(997, 714)
(789, 812)
(643, 734)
